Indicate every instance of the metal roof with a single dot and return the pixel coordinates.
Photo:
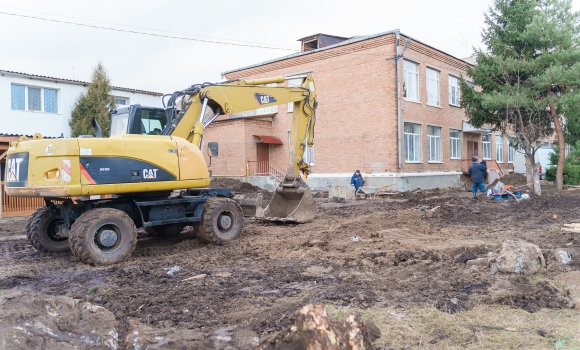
(342, 43)
(71, 81)
(316, 35)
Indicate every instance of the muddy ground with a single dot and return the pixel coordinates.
(403, 259)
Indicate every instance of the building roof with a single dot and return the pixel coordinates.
(71, 81)
(342, 43)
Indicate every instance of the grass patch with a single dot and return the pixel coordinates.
(101, 291)
(485, 326)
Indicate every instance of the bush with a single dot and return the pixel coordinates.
(571, 166)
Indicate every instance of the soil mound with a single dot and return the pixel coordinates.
(30, 320)
(240, 187)
(511, 179)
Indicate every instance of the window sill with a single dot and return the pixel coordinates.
(458, 106)
(36, 112)
(455, 158)
(413, 101)
(436, 106)
(434, 162)
(412, 162)
(486, 158)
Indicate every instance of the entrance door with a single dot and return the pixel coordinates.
(263, 157)
(472, 149)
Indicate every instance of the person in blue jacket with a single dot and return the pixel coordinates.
(357, 180)
(477, 172)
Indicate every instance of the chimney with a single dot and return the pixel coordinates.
(318, 41)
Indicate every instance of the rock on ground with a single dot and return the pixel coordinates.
(30, 320)
(143, 337)
(520, 257)
(313, 330)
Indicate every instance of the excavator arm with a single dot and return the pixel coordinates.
(202, 104)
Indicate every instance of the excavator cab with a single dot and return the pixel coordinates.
(137, 120)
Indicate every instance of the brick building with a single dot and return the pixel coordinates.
(418, 140)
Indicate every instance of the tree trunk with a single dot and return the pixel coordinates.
(561, 147)
(532, 175)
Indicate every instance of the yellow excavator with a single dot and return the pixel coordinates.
(143, 172)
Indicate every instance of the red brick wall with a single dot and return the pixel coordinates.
(357, 114)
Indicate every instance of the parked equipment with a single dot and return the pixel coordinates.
(142, 171)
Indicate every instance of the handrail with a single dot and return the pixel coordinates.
(265, 168)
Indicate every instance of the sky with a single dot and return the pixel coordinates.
(216, 36)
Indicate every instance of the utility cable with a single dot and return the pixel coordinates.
(143, 33)
(129, 26)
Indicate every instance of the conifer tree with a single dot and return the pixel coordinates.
(95, 103)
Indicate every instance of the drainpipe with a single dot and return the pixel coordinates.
(399, 138)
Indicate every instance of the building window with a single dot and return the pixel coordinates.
(499, 149)
(455, 147)
(432, 87)
(412, 142)
(486, 144)
(293, 82)
(121, 101)
(33, 99)
(511, 153)
(411, 83)
(434, 138)
(454, 95)
(17, 99)
(50, 101)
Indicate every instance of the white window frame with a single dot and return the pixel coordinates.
(42, 88)
(293, 82)
(434, 144)
(414, 139)
(499, 149)
(433, 93)
(121, 98)
(411, 76)
(511, 153)
(454, 91)
(486, 147)
(454, 145)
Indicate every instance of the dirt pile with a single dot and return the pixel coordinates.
(511, 179)
(141, 336)
(313, 330)
(240, 187)
(30, 320)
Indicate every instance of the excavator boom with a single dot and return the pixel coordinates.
(202, 104)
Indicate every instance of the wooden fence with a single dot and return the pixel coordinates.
(18, 206)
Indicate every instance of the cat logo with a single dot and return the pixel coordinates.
(13, 171)
(150, 173)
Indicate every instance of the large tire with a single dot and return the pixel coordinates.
(170, 230)
(103, 236)
(42, 229)
(222, 220)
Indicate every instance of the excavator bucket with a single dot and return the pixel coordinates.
(291, 204)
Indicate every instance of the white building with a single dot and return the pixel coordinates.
(33, 103)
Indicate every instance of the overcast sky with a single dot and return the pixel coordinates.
(162, 64)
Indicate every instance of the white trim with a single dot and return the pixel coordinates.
(386, 174)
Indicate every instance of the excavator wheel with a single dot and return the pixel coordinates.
(42, 232)
(221, 221)
(166, 231)
(103, 236)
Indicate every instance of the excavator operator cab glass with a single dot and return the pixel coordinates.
(138, 120)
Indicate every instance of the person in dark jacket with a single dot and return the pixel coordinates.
(477, 172)
(357, 180)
